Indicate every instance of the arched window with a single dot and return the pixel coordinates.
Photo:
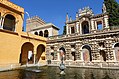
(36, 33)
(40, 33)
(9, 23)
(85, 27)
(46, 33)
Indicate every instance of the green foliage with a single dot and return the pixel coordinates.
(64, 31)
(113, 9)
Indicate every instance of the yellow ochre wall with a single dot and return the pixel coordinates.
(12, 42)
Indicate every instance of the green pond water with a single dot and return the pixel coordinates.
(54, 73)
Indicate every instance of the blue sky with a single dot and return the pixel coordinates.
(55, 11)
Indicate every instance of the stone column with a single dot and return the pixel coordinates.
(106, 21)
(34, 56)
(58, 56)
(92, 24)
(80, 28)
(2, 22)
(95, 26)
(77, 27)
(67, 29)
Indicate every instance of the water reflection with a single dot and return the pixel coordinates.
(54, 73)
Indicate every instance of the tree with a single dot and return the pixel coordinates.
(64, 31)
(112, 8)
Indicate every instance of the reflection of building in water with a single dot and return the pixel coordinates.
(15, 44)
(88, 40)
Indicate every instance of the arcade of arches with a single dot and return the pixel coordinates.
(27, 55)
(18, 47)
(97, 51)
(45, 34)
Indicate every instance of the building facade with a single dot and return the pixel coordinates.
(37, 26)
(17, 47)
(89, 41)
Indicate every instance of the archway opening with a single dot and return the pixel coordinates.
(85, 27)
(40, 51)
(36, 33)
(26, 56)
(9, 23)
(103, 55)
(86, 50)
(46, 33)
(116, 49)
(62, 53)
(40, 33)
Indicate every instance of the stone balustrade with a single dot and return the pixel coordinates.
(111, 65)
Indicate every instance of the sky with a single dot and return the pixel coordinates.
(54, 11)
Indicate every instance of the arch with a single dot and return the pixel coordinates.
(102, 55)
(86, 50)
(116, 51)
(41, 33)
(85, 27)
(26, 55)
(9, 22)
(63, 49)
(46, 33)
(36, 33)
(62, 53)
(40, 50)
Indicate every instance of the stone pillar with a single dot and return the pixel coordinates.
(58, 56)
(34, 56)
(2, 22)
(80, 28)
(77, 27)
(67, 29)
(78, 53)
(68, 52)
(95, 26)
(106, 21)
(92, 24)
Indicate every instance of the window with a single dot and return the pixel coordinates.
(72, 30)
(99, 25)
(46, 33)
(9, 23)
(85, 27)
(36, 33)
(40, 33)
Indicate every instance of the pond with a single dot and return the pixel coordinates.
(53, 73)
